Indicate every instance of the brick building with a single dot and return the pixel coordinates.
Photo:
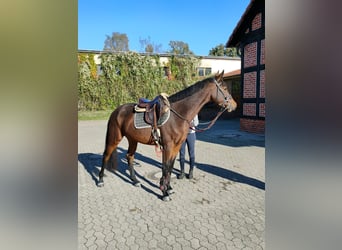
(249, 37)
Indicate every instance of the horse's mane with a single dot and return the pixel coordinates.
(189, 90)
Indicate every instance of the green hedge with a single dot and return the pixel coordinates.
(125, 77)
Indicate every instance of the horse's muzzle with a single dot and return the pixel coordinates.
(230, 105)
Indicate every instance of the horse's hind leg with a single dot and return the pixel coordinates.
(113, 139)
(105, 161)
(130, 161)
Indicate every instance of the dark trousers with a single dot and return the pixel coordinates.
(190, 142)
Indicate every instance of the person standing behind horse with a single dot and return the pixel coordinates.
(190, 142)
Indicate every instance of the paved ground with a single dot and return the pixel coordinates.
(221, 208)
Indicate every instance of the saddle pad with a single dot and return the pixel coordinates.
(139, 121)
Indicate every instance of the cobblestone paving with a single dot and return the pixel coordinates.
(221, 208)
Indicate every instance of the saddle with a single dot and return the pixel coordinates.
(146, 103)
(153, 110)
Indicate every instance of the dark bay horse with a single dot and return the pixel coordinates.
(184, 105)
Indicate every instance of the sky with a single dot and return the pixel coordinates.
(201, 24)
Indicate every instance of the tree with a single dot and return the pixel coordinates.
(116, 42)
(180, 48)
(232, 52)
(220, 50)
(217, 51)
(148, 46)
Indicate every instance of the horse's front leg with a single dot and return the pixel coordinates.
(165, 180)
(169, 189)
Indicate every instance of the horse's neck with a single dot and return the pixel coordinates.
(191, 105)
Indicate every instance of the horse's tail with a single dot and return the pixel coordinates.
(113, 138)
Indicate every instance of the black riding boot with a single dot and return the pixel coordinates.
(192, 165)
(182, 174)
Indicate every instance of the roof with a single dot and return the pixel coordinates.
(232, 73)
(239, 30)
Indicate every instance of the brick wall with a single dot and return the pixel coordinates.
(253, 126)
(262, 93)
(256, 23)
(262, 56)
(262, 110)
(249, 109)
(253, 108)
(249, 90)
(250, 55)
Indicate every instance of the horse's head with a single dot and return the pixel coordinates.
(221, 95)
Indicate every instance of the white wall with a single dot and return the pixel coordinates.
(215, 63)
(221, 64)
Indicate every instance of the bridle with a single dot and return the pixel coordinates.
(226, 98)
(223, 108)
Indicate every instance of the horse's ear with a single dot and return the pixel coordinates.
(219, 77)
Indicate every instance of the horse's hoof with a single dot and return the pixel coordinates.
(166, 198)
(100, 184)
(137, 184)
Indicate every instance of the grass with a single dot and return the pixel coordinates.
(94, 115)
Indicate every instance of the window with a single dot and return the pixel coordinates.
(99, 70)
(202, 71)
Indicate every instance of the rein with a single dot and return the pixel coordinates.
(211, 122)
(203, 129)
(179, 115)
(226, 98)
